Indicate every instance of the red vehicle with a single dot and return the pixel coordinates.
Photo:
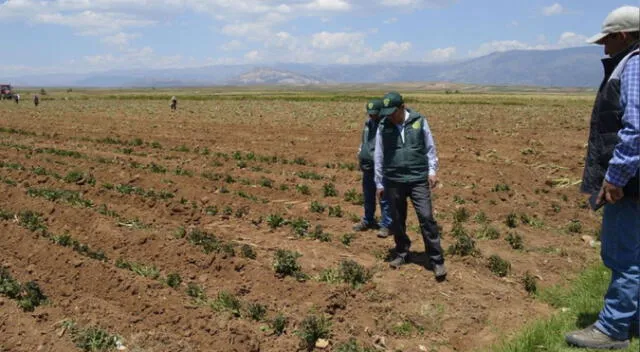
(5, 91)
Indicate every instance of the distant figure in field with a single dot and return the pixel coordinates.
(17, 98)
(36, 100)
(174, 103)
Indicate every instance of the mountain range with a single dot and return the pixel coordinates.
(572, 67)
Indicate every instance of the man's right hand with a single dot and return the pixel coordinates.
(380, 192)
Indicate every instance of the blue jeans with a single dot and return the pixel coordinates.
(621, 253)
(369, 192)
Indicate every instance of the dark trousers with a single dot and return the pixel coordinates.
(420, 194)
(369, 193)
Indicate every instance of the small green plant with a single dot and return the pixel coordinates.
(179, 171)
(211, 210)
(300, 161)
(174, 280)
(303, 189)
(316, 207)
(31, 221)
(92, 339)
(403, 329)
(353, 197)
(335, 212)
(266, 182)
(512, 220)
(353, 273)
(257, 311)
(319, 234)
(458, 200)
(329, 190)
(488, 232)
(309, 175)
(285, 263)
(275, 220)
(575, 226)
(196, 291)
(227, 302)
(481, 218)
(515, 241)
(529, 282)
(352, 346)
(460, 215)
(313, 328)
(501, 187)
(464, 246)
(279, 324)
(300, 226)
(247, 251)
(180, 232)
(556, 207)
(347, 238)
(500, 267)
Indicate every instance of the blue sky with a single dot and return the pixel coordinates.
(96, 35)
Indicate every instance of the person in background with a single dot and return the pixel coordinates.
(611, 175)
(174, 103)
(36, 100)
(365, 158)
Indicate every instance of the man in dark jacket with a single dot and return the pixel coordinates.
(405, 166)
(365, 158)
(611, 175)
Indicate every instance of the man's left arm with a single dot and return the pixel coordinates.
(432, 156)
(626, 155)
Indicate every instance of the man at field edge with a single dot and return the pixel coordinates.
(611, 171)
(406, 164)
(365, 159)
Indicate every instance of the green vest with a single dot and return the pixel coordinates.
(368, 145)
(404, 162)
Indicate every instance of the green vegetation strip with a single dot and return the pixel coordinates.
(578, 307)
(28, 296)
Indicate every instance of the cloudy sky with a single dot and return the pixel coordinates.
(95, 35)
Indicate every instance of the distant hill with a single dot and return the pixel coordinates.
(270, 76)
(573, 67)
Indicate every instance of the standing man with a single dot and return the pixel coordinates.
(611, 172)
(405, 166)
(36, 100)
(16, 97)
(365, 158)
(174, 103)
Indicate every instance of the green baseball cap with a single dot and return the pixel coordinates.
(374, 106)
(390, 103)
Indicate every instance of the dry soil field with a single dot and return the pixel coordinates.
(160, 231)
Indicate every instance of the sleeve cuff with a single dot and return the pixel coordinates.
(616, 177)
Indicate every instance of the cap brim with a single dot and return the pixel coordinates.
(388, 111)
(596, 39)
(373, 112)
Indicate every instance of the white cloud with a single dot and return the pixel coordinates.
(410, 4)
(391, 20)
(232, 45)
(336, 40)
(555, 9)
(569, 39)
(120, 39)
(566, 40)
(253, 55)
(441, 54)
(391, 50)
(93, 23)
(328, 5)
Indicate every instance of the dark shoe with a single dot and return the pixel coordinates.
(440, 271)
(398, 262)
(593, 338)
(363, 226)
(383, 233)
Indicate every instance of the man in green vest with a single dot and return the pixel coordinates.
(405, 166)
(365, 158)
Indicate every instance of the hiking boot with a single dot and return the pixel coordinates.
(398, 262)
(363, 226)
(593, 338)
(383, 233)
(440, 271)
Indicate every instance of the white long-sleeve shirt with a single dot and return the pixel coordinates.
(432, 157)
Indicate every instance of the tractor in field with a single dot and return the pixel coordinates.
(6, 91)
